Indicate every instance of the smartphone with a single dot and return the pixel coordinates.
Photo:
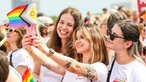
(31, 30)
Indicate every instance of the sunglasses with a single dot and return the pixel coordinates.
(10, 30)
(113, 36)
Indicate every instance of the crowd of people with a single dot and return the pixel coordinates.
(104, 48)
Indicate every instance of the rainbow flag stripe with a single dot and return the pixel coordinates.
(3, 41)
(3, 30)
(14, 17)
(27, 76)
(39, 25)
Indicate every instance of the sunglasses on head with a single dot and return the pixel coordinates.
(10, 30)
(113, 36)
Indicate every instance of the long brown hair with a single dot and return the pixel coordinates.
(55, 40)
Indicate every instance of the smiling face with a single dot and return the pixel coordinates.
(65, 26)
(82, 44)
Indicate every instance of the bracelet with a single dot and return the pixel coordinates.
(51, 52)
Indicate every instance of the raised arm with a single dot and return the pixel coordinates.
(39, 55)
(46, 61)
(73, 66)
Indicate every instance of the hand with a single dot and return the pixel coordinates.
(26, 43)
(39, 43)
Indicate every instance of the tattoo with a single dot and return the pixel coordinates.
(47, 66)
(69, 62)
(90, 71)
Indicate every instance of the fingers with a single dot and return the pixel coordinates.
(26, 40)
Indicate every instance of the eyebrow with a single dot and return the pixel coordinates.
(115, 33)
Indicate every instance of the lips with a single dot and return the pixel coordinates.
(63, 32)
(79, 46)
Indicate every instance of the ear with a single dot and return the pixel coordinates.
(128, 44)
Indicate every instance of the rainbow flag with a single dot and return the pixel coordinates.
(29, 14)
(14, 17)
(27, 76)
(3, 30)
(144, 16)
(3, 41)
(39, 25)
(23, 15)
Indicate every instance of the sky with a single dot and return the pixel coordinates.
(54, 7)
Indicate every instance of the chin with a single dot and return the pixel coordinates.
(63, 37)
(79, 52)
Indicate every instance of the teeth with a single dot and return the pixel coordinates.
(63, 32)
(79, 46)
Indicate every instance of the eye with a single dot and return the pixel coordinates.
(82, 37)
(76, 38)
(61, 22)
(70, 25)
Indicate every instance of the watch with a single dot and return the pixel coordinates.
(51, 52)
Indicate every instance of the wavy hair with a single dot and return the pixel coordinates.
(55, 40)
(97, 45)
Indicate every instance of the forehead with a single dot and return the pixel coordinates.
(67, 17)
(117, 29)
(79, 32)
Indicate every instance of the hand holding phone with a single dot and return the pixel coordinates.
(31, 30)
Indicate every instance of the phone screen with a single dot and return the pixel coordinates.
(31, 30)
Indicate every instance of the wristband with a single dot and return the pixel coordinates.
(51, 52)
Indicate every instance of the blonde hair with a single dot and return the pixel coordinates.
(97, 45)
(21, 31)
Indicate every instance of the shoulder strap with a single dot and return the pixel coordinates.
(11, 57)
(110, 71)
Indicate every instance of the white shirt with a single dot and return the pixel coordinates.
(49, 76)
(21, 57)
(101, 71)
(132, 72)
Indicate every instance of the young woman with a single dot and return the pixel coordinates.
(18, 57)
(127, 65)
(90, 60)
(61, 41)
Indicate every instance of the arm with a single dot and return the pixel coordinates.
(21, 69)
(45, 61)
(72, 65)
(36, 71)
(13, 75)
(38, 54)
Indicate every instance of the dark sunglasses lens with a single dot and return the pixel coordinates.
(6, 29)
(112, 37)
(10, 30)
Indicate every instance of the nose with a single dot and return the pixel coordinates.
(64, 26)
(77, 40)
